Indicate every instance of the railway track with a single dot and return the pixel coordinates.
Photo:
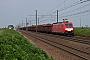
(67, 48)
(79, 39)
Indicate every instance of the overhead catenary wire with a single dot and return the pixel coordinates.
(66, 7)
(75, 13)
(47, 14)
(75, 9)
(71, 5)
(56, 6)
(50, 13)
(77, 16)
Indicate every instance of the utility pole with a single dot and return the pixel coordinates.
(26, 24)
(80, 22)
(36, 20)
(57, 16)
(30, 22)
(22, 25)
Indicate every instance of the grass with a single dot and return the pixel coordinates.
(14, 46)
(1, 30)
(82, 31)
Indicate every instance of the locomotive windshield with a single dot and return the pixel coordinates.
(68, 25)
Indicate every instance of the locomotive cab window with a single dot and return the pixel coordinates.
(68, 25)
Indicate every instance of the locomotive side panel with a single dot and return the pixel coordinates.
(57, 28)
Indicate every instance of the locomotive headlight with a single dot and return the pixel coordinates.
(69, 29)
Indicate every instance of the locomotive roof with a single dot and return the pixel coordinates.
(62, 22)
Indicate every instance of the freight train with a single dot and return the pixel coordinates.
(65, 28)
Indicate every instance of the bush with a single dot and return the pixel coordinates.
(14, 46)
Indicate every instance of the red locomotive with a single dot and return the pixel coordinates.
(65, 28)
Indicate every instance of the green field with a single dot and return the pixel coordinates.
(1, 30)
(14, 46)
(82, 31)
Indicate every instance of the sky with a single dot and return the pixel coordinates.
(15, 11)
